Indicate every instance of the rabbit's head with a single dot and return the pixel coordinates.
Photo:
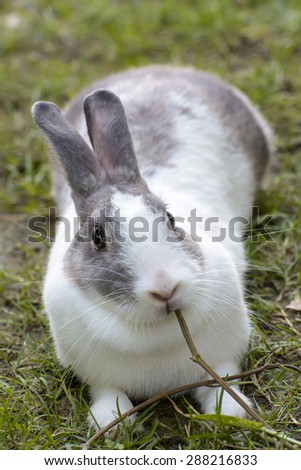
(127, 251)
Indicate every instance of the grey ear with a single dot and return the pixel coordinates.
(78, 161)
(110, 136)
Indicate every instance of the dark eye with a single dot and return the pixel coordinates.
(99, 237)
(171, 219)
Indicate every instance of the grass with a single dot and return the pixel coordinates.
(48, 51)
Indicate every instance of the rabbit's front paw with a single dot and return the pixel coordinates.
(108, 405)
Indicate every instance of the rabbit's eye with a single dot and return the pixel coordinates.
(99, 237)
(171, 219)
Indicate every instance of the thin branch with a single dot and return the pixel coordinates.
(182, 389)
(199, 360)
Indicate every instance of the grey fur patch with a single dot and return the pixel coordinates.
(99, 271)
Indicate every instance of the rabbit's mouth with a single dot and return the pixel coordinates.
(174, 305)
(164, 308)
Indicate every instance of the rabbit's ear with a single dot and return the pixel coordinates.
(110, 136)
(72, 152)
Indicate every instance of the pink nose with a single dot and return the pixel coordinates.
(164, 294)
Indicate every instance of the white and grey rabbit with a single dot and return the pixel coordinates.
(160, 165)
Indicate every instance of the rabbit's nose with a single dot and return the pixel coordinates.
(164, 294)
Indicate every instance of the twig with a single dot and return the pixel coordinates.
(182, 389)
(199, 360)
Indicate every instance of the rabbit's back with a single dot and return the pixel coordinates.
(157, 98)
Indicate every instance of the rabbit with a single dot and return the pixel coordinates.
(159, 166)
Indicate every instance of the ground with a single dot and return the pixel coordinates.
(48, 51)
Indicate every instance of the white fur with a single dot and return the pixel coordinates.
(141, 352)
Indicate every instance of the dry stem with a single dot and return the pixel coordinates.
(199, 360)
